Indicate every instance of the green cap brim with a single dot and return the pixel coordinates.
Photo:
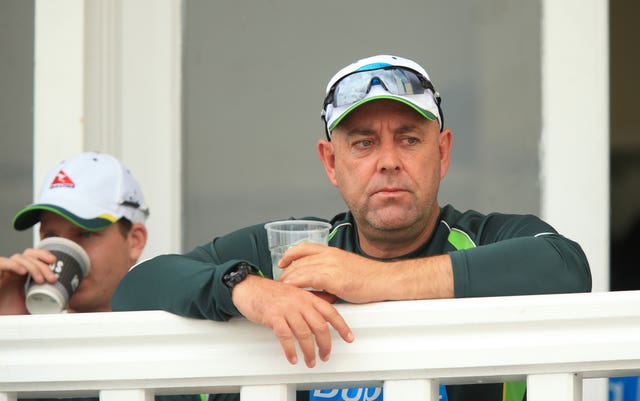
(30, 215)
(425, 113)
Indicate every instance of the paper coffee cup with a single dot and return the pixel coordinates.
(71, 266)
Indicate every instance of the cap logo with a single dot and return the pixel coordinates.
(62, 180)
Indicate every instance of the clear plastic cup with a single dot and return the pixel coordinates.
(284, 234)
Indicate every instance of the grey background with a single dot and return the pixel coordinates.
(16, 119)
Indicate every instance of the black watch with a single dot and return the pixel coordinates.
(238, 273)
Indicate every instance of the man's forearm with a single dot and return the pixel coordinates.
(424, 278)
(521, 266)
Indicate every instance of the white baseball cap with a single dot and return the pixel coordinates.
(92, 190)
(380, 77)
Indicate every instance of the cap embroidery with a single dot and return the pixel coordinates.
(62, 180)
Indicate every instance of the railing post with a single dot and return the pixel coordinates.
(411, 390)
(278, 392)
(129, 395)
(557, 387)
(8, 397)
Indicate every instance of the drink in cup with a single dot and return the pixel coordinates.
(71, 266)
(282, 235)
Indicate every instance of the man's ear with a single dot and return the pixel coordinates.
(445, 140)
(137, 239)
(328, 159)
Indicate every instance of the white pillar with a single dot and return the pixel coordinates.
(574, 152)
(575, 126)
(151, 113)
(411, 390)
(278, 392)
(129, 395)
(58, 113)
(556, 387)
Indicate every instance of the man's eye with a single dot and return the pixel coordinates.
(365, 143)
(411, 140)
(85, 234)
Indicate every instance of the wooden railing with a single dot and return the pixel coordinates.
(551, 341)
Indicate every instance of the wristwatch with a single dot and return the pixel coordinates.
(238, 273)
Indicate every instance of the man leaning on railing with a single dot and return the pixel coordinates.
(386, 150)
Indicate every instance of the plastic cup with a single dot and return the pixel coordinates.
(71, 266)
(282, 235)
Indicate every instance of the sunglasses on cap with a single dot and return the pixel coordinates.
(136, 205)
(395, 80)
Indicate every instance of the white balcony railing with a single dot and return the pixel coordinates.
(551, 341)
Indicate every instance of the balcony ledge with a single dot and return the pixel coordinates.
(470, 340)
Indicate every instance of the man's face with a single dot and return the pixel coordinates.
(109, 252)
(387, 162)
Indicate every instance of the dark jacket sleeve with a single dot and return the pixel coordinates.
(519, 255)
(191, 284)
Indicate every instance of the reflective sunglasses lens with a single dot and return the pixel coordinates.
(352, 88)
(355, 87)
(407, 83)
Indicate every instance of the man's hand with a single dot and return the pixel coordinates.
(293, 314)
(32, 261)
(357, 279)
(13, 272)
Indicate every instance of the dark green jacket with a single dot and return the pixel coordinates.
(492, 255)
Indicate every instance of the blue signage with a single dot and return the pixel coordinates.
(357, 394)
(624, 388)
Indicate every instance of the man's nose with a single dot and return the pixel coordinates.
(389, 157)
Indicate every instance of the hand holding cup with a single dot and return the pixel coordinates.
(71, 266)
(284, 234)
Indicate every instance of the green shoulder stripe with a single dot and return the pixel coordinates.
(460, 240)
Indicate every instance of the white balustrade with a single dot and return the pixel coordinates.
(551, 341)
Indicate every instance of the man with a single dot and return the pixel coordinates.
(93, 200)
(386, 150)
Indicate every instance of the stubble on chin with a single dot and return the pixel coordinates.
(390, 218)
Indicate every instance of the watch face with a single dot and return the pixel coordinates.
(239, 273)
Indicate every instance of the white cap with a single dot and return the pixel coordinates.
(425, 103)
(92, 190)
